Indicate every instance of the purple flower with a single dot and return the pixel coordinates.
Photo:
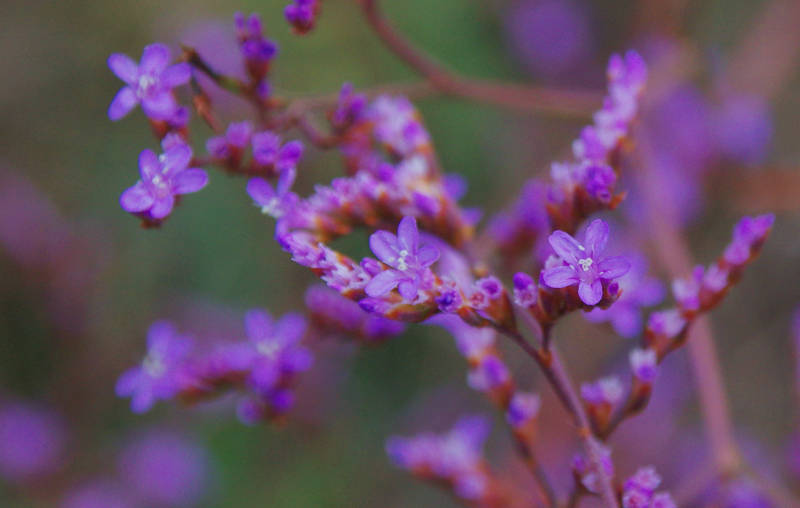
(236, 138)
(749, 233)
(257, 50)
(403, 253)
(644, 364)
(350, 106)
(31, 441)
(489, 373)
(162, 178)
(523, 408)
(584, 266)
(607, 390)
(160, 375)
(587, 470)
(639, 491)
(525, 290)
(397, 125)
(267, 151)
(165, 469)
(301, 14)
(149, 83)
(274, 202)
(277, 352)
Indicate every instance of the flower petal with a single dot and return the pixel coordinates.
(567, 247)
(155, 59)
(427, 255)
(560, 277)
(383, 283)
(408, 234)
(286, 180)
(385, 246)
(176, 75)
(149, 165)
(122, 104)
(290, 328)
(123, 67)
(590, 293)
(258, 324)
(162, 207)
(408, 289)
(136, 199)
(142, 400)
(260, 190)
(190, 180)
(128, 382)
(596, 237)
(161, 106)
(176, 159)
(612, 268)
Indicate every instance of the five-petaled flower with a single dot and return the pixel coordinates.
(277, 352)
(159, 376)
(274, 202)
(150, 83)
(584, 265)
(162, 178)
(403, 253)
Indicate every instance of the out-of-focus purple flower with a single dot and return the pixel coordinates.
(160, 375)
(584, 266)
(301, 14)
(586, 470)
(165, 469)
(397, 125)
(31, 441)
(638, 291)
(337, 314)
(639, 491)
(277, 349)
(525, 290)
(551, 36)
(607, 390)
(235, 140)
(149, 83)
(455, 456)
(667, 323)
(162, 179)
(98, 494)
(748, 235)
(404, 253)
(743, 128)
(349, 107)
(523, 408)
(257, 50)
(644, 364)
(268, 151)
(274, 202)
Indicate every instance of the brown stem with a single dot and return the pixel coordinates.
(538, 471)
(511, 96)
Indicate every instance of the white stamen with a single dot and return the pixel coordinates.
(585, 263)
(269, 348)
(153, 365)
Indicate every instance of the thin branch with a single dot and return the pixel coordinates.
(515, 97)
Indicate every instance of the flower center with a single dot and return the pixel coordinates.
(269, 348)
(402, 264)
(585, 263)
(145, 85)
(160, 186)
(153, 365)
(272, 208)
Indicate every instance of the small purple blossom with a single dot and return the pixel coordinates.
(350, 106)
(275, 202)
(159, 377)
(748, 234)
(639, 491)
(644, 364)
(268, 151)
(301, 14)
(587, 470)
(257, 50)
(584, 266)
(523, 408)
(607, 390)
(405, 255)
(149, 83)
(162, 179)
(277, 352)
(236, 138)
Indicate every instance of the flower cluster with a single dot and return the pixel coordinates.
(454, 457)
(257, 51)
(587, 473)
(265, 367)
(640, 491)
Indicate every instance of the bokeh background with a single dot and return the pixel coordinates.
(80, 281)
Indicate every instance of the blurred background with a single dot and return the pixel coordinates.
(80, 281)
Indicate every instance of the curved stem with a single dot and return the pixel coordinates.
(511, 96)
